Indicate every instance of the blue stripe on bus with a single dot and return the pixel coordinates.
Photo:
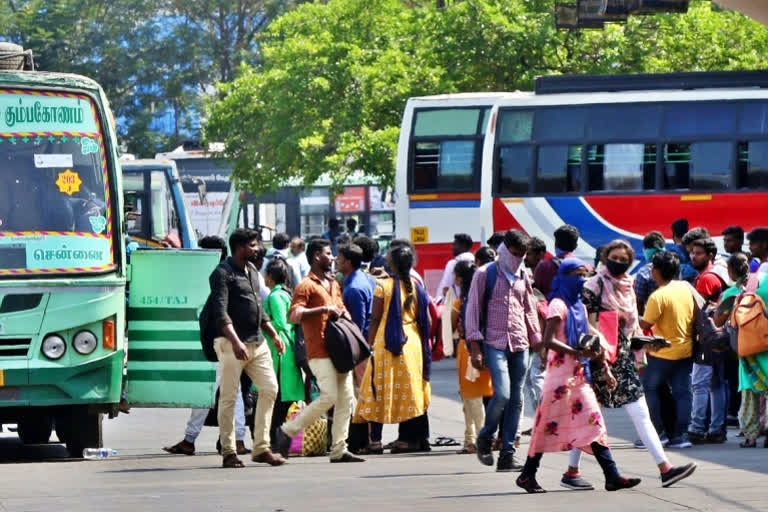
(445, 204)
(592, 230)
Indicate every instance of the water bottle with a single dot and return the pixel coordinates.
(98, 453)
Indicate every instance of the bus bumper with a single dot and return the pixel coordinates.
(37, 383)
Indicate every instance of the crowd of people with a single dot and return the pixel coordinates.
(525, 324)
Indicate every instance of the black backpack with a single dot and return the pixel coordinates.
(345, 344)
(208, 329)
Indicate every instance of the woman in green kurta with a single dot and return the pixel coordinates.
(289, 377)
(753, 370)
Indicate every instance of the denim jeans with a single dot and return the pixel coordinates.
(709, 395)
(507, 375)
(534, 381)
(676, 374)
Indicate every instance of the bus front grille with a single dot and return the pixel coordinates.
(14, 347)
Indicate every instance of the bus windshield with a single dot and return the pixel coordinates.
(54, 194)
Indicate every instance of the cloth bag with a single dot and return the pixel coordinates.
(313, 440)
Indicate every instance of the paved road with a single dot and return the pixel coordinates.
(142, 477)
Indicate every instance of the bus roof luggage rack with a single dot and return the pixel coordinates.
(559, 84)
(14, 58)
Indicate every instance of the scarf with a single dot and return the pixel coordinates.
(394, 335)
(568, 288)
(617, 294)
(508, 263)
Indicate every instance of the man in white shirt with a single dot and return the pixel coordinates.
(299, 258)
(462, 251)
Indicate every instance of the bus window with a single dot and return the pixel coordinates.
(514, 166)
(624, 121)
(693, 119)
(698, 166)
(165, 220)
(753, 164)
(560, 124)
(445, 148)
(515, 126)
(559, 168)
(621, 166)
(448, 164)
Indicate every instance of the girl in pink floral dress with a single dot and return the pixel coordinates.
(569, 414)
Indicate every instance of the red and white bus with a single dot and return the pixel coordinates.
(616, 156)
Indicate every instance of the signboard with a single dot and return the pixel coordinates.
(30, 112)
(420, 235)
(352, 200)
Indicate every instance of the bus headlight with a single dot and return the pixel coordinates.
(54, 346)
(85, 342)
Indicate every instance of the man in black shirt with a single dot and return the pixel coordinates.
(238, 313)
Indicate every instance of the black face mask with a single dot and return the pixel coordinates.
(617, 268)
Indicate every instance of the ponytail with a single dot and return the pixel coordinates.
(402, 260)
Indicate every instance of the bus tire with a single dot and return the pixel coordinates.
(84, 431)
(35, 429)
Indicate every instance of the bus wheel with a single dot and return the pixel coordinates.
(84, 431)
(35, 429)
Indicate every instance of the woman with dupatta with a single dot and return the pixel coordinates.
(395, 387)
(569, 415)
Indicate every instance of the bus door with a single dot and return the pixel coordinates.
(166, 366)
(152, 217)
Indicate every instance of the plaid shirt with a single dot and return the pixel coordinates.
(644, 287)
(511, 319)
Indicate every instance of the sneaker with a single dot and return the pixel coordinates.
(508, 464)
(641, 446)
(664, 440)
(679, 443)
(621, 483)
(484, 453)
(696, 438)
(575, 483)
(676, 474)
(716, 438)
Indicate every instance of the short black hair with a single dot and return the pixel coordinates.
(680, 227)
(736, 231)
(463, 240)
(241, 237)
(515, 238)
(351, 223)
(316, 245)
(400, 242)
(707, 244)
(333, 223)
(567, 238)
(277, 270)
(369, 246)
(281, 240)
(485, 255)
(758, 235)
(353, 253)
(667, 263)
(654, 240)
(496, 239)
(695, 234)
(465, 270)
(214, 242)
(536, 244)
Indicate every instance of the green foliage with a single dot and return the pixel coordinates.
(329, 95)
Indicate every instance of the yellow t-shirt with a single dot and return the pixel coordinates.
(670, 310)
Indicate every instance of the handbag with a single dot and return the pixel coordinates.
(345, 344)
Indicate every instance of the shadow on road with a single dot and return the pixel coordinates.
(12, 451)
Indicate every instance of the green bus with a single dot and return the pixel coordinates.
(65, 311)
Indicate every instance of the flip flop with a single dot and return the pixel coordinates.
(445, 441)
(178, 449)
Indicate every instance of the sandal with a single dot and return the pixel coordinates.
(375, 448)
(231, 461)
(181, 448)
(445, 441)
(748, 443)
(468, 449)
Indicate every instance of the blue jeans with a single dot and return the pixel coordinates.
(507, 375)
(676, 374)
(709, 394)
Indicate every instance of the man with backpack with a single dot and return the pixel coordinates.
(238, 316)
(708, 376)
(501, 318)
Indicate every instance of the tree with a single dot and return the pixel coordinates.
(329, 95)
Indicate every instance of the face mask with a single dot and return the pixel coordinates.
(616, 268)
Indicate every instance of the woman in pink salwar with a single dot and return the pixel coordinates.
(569, 414)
